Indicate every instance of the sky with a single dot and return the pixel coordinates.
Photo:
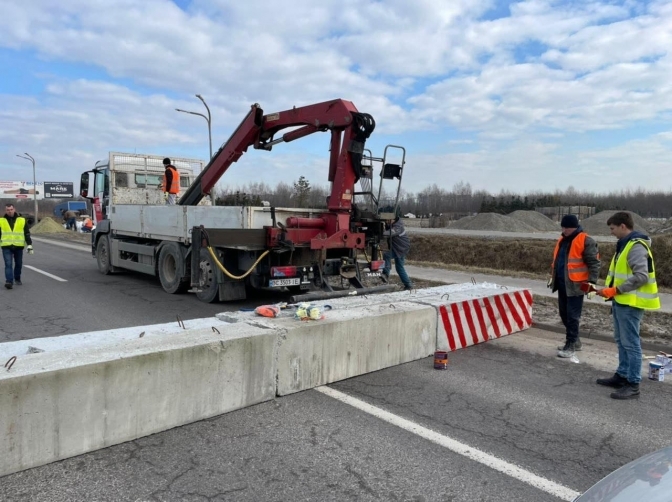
(522, 96)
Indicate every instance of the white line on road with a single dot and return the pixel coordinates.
(491, 461)
(45, 273)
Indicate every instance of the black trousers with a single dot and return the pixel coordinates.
(570, 308)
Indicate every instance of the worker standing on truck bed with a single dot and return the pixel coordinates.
(171, 183)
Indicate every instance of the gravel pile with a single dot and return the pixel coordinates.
(597, 224)
(536, 220)
(47, 226)
(492, 221)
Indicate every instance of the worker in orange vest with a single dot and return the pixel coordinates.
(576, 263)
(170, 183)
(87, 226)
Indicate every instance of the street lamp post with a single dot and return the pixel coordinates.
(28, 157)
(207, 119)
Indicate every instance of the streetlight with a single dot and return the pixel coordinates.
(28, 157)
(206, 118)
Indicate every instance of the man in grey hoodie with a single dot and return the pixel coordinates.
(631, 286)
(400, 245)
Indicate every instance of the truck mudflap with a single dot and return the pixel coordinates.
(327, 295)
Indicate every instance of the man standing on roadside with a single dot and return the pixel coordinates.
(631, 286)
(399, 246)
(14, 235)
(171, 182)
(576, 261)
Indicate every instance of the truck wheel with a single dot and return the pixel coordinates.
(207, 279)
(103, 256)
(169, 269)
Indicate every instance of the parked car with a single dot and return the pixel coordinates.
(647, 479)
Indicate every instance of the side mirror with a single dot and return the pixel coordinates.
(84, 185)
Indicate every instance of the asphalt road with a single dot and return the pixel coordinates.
(511, 399)
(534, 411)
(89, 301)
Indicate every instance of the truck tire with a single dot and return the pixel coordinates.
(103, 256)
(207, 278)
(170, 265)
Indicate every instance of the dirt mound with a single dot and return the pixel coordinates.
(597, 224)
(47, 226)
(536, 220)
(492, 221)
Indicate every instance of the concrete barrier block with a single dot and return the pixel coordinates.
(351, 342)
(484, 316)
(60, 404)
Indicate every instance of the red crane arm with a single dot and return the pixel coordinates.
(258, 130)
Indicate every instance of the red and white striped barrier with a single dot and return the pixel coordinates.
(469, 322)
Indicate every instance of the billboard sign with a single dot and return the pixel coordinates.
(59, 190)
(20, 190)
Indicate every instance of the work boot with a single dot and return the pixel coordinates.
(616, 381)
(567, 351)
(628, 391)
(18, 282)
(408, 288)
(9, 285)
(577, 345)
(385, 277)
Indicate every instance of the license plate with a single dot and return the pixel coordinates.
(277, 283)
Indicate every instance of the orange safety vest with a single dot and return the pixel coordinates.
(577, 270)
(174, 187)
(88, 223)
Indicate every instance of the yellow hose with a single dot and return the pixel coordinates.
(229, 274)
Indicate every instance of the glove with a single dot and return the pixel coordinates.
(30, 250)
(607, 292)
(165, 195)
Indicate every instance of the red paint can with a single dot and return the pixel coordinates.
(440, 360)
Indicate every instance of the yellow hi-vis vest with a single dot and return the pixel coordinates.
(646, 296)
(11, 237)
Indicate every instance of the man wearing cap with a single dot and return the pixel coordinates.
(171, 183)
(576, 263)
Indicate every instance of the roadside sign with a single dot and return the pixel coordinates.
(59, 190)
(21, 190)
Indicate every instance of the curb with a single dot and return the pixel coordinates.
(596, 336)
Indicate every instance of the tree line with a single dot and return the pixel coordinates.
(460, 200)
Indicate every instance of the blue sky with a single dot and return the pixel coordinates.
(519, 95)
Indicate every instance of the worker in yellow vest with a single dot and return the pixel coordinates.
(631, 286)
(14, 236)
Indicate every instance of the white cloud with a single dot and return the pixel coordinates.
(521, 83)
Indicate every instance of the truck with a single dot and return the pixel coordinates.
(221, 252)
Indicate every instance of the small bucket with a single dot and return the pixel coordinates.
(656, 372)
(440, 360)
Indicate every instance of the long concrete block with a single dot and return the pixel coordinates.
(55, 405)
(352, 342)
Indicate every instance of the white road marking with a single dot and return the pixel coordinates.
(475, 454)
(45, 273)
